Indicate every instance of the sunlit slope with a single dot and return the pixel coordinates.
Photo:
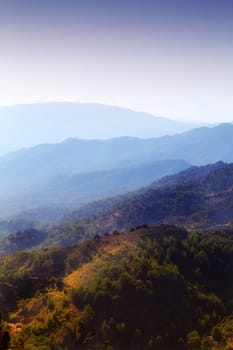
(158, 287)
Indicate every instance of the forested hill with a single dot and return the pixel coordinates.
(199, 196)
(160, 288)
(204, 201)
(190, 174)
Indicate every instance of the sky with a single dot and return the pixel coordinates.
(171, 58)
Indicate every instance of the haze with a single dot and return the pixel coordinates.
(168, 58)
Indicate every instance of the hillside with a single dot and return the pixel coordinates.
(11, 226)
(204, 199)
(33, 124)
(153, 288)
(197, 197)
(51, 197)
(190, 174)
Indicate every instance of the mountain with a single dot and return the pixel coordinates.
(61, 192)
(153, 288)
(43, 168)
(29, 125)
(199, 147)
(204, 199)
(197, 197)
(75, 156)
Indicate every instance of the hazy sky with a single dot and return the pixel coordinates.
(172, 58)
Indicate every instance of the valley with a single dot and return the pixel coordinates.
(116, 175)
(119, 244)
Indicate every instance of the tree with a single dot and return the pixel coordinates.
(193, 341)
(207, 343)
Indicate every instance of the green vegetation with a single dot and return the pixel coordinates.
(64, 235)
(25, 274)
(152, 288)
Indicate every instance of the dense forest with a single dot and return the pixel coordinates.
(156, 287)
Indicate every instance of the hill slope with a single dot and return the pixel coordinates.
(205, 198)
(154, 288)
(198, 196)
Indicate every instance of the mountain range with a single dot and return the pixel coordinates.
(30, 125)
(27, 191)
(102, 276)
(199, 197)
(77, 171)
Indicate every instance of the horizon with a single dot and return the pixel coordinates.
(191, 121)
(29, 125)
(196, 121)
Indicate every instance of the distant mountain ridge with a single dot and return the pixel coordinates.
(33, 124)
(43, 168)
(197, 146)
